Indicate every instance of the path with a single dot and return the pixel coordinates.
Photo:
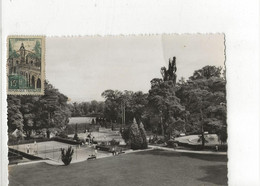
(187, 151)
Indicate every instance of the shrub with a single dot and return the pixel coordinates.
(12, 139)
(62, 135)
(143, 135)
(125, 135)
(137, 136)
(113, 142)
(66, 155)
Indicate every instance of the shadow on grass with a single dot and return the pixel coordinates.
(216, 174)
(206, 157)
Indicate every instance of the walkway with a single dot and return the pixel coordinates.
(151, 147)
(187, 151)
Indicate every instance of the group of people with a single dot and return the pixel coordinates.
(116, 151)
(28, 148)
(89, 138)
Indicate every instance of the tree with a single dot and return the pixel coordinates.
(137, 105)
(12, 53)
(37, 49)
(112, 104)
(143, 136)
(204, 96)
(135, 137)
(28, 113)
(15, 117)
(163, 102)
(53, 108)
(206, 73)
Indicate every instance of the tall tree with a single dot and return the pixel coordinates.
(15, 117)
(112, 104)
(164, 103)
(29, 113)
(204, 96)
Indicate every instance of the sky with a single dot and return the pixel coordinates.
(83, 67)
(29, 45)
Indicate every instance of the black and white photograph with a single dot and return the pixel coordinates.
(124, 110)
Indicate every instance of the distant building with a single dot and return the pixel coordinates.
(24, 69)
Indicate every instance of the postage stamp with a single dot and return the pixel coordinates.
(25, 65)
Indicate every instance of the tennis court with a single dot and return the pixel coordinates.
(51, 150)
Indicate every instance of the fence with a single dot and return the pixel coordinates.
(20, 142)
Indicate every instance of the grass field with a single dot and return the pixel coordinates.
(151, 168)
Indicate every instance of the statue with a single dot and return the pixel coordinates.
(170, 74)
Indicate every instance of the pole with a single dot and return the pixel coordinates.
(162, 124)
(202, 130)
(122, 109)
(124, 113)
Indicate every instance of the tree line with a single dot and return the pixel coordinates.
(27, 113)
(189, 106)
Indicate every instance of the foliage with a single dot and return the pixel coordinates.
(137, 136)
(206, 73)
(119, 104)
(12, 139)
(15, 117)
(112, 104)
(163, 103)
(113, 142)
(204, 97)
(66, 155)
(37, 49)
(126, 135)
(143, 135)
(86, 108)
(28, 113)
(12, 53)
(76, 137)
(62, 134)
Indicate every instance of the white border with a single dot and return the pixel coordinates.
(238, 19)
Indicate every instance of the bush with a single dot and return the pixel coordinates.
(65, 140)
(66, 155)
(172, 143)
(137, 136)
(62, 135)
(156, 140)
(125, 135)
(113, 142)
(12, 139)
(143, 135)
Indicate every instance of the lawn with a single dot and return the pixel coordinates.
(149, 168)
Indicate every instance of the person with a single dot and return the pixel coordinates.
(175, 145)
(89, 137)
(113, 151)
(216, 148)
(35, 147)
(28, 149)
